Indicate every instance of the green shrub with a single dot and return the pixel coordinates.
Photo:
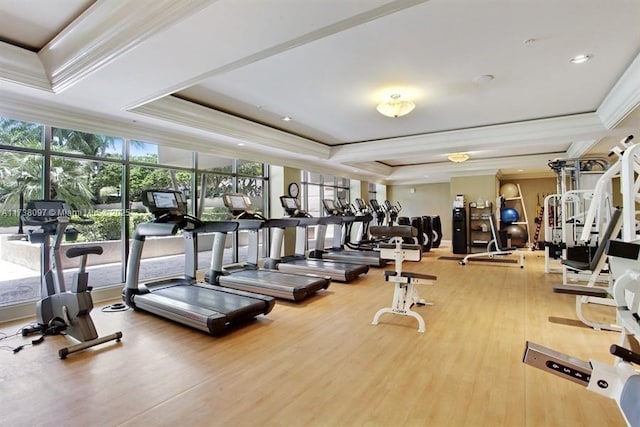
(215, 214)
(9, 221)
(107, 225)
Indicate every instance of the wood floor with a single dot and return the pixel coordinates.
(322, 363)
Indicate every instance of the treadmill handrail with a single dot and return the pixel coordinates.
(216, 227)
(307, 221)
(147, 229)
(349, 218)
(281, 223)
(326, 220)
(249, 224)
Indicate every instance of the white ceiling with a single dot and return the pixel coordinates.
(211, 75)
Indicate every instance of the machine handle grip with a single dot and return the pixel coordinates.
(625, 354)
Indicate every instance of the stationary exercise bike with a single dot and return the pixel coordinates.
(61, 310)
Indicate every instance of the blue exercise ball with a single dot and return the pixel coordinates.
(509, 215)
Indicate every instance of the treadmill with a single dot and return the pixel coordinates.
(299, 263)
(248, 276)
(209, 308)
(337, 252)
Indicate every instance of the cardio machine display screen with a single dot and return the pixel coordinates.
(329, 205)
(165, 200)
(237, 202)
(289, 203)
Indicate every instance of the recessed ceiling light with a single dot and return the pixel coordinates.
(581, 59)
(286, 118)
(240, 144)
(520, 170)
(483, 79)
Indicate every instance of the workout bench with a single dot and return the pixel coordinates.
(405, 294)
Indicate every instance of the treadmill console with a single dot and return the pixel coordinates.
(360, 205)
(237, 202)
(164, 203)
(291, 206)
(331, 207)
(240, 206)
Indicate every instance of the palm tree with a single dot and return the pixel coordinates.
(20, 174)
(81, 142)
(71, 181)
(20, 134)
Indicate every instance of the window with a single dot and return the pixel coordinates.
(85, 144)
(16, 133)
(93, 173)
(20, 180)
(317, 187)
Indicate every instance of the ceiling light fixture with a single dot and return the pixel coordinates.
(395, 107)
(458, 157)
(484, 79)
(581, 59)
(286, 118)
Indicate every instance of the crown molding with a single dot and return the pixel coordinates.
(580, 148)
(106, 31)
(527, 132)
(623, 98)
(22, 67)
(444, 171)
(195, 116)
(21, 108)
(375, 168)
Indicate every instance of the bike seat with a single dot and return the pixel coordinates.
(84, 250)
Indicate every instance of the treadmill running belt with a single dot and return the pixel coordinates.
(277, 284)
(235, 306)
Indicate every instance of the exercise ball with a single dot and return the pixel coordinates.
(509, 190)
(517, 235)
(509, 215)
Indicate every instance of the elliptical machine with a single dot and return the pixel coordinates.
(61, 310)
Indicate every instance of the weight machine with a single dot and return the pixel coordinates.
(604, 222)
(621, 380)
(575, 183)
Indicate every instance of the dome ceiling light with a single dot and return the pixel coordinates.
(458, 157)
(395, 107)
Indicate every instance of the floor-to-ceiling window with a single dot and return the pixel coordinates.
(316, 188)
(156, 167)
(21, 179)
(101, 178)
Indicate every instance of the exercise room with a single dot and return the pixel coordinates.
(319, 213)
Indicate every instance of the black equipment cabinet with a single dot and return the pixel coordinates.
(459, 234)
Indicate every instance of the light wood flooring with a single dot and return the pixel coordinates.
(322, 363)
